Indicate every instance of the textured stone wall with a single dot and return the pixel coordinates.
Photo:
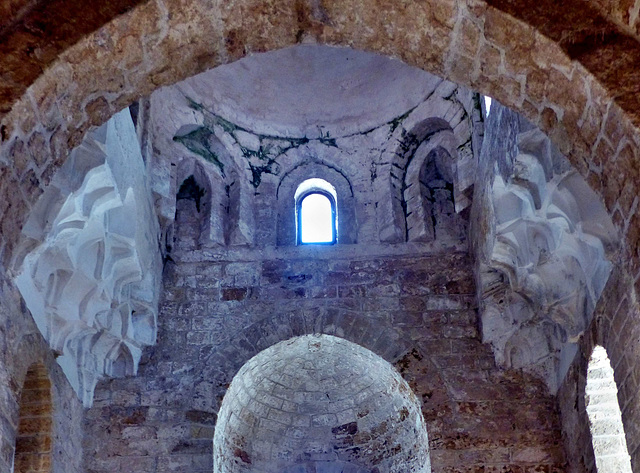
(470, 43)
(592, 32)
(413, 305)
(612, 327)
(33, 441)
(22, 346)
(402, 168)
(467, 43)
(410, 299)
(623, 13)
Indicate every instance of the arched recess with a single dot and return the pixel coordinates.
(605, 418)
(199, 214)
(421, 183)
(319, 403)
(33, 440)
(223, 210)
(420, 34)
(286, 201)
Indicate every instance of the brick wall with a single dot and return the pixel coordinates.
(33, 442)
(614, 328)
(22, 347)
(414, 305)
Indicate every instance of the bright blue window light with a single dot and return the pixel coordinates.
(316, 213)
(487, 105)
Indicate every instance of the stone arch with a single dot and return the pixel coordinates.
(200, 213)
(33, 365)
(437, 193)
(425, 155)
(299, 407)
(285, 195)
(535, 75)
(222, 199)
(296, 320)
(451, 43)
(325, 196)
(33, 449)
(576, 40)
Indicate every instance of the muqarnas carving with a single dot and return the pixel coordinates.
(90, 268)
(547, 262)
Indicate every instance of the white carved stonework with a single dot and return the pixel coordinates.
(548, 262)
(91, 274)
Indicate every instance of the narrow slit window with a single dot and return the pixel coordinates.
(316, 213)
(487, 105)
(603, 410)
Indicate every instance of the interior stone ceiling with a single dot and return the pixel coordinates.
(35, 33)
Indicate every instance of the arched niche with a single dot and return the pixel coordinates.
(347, 227)
(33, 449)
(318, 403)
(199, 213)
(211, 209)
(422, 185)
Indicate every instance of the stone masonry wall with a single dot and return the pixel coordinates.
(554, 91)
(33, 442)
(613, 328)
(22, 346)
(411, 304)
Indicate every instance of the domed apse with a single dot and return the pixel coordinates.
(310, 91)
(319, 404)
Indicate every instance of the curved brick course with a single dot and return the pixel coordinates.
(319, 403)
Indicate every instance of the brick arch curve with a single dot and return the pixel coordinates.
(468, 44)
(414, 149)
(285, 197)
(158, 43)
(318, 368)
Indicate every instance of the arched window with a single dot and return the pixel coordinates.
(33, 439)
(316, 212)
(487, 105)
(603, 410)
